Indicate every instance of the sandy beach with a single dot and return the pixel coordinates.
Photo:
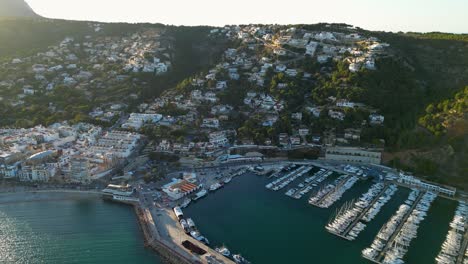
(46, 195)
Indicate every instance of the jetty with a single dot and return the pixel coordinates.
(282, 182)
(276, 172)
(376, 198)
(462, 254)
(172, 234)
(308, 184)
(153, 240)
(387, 246)
(341, 183)
(361, 215)
(163, 233)
(333, 193)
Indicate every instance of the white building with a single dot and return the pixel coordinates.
(218, 139)
(179, 188)
(412, 181)
(354, 154)
(311, 48)
(136, 120)
(336, 115)
(354, 67)
(376, 119)
(345, 104)
(120, 144)
(210, 123)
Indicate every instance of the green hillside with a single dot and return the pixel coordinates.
(418, 87)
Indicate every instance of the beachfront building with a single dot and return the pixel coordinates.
(36, 173)
(9, 171)
(79, 169)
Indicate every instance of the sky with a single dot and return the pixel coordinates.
(387, 15)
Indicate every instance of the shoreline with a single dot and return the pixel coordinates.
(46, 195)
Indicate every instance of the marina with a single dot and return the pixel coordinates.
(229, 227)
(352, 219)
(452, 249)
(389, 230)
(328, 195)
(348, 221)
(308, 184)
(461, 215)
(198, 234)
(392, 242)
(283, 181)
(401, 242)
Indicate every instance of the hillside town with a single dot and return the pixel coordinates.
(197, 120)
(86, 67)
(204, 100)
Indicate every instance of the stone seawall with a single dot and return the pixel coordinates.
(167, 254)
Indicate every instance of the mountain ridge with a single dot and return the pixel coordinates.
(16, 8)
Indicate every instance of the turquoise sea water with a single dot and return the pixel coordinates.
(71, 231)
(269, 227)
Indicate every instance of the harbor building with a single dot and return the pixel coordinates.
(354, 154)
(179, 188)
(412, 181)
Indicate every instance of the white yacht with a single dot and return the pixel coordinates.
(200, 194)
(239, 259)
(224, 251)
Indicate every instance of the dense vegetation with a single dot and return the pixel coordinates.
(193, 53)
(25, 37)
(450, 115)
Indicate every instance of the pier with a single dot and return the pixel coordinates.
(171, 233)
(461, 255)
(277, 172)
(163, 233)
(282, 182)
(153, 239)
(361, 215)
(379, 257)
(337, 187)
(299, 193)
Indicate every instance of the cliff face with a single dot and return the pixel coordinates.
(16, 8)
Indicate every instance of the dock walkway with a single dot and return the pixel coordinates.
(308, 184)
(376, 198)
(393, 236)
(287, 178)
(461, 255)
(337, 187)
